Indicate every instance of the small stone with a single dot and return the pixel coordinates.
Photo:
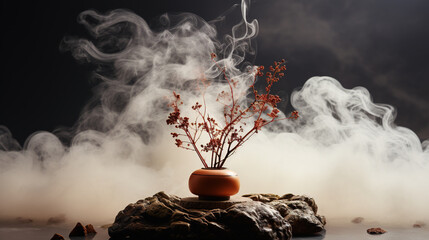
(375, 231)
(419, 224)
(357, 220)
(57, 237)
(78, 231)
(24, 220)
(57, 219)
(90, 229)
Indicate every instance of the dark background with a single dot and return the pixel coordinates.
(381, 45)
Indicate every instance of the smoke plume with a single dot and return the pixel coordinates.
(344, 150)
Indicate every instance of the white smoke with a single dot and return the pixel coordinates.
(344, 150)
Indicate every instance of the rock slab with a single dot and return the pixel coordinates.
(195, 203)
(268, 218)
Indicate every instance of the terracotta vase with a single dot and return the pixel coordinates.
(214, 184)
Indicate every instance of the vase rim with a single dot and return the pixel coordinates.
(213, 168)
(215, 172)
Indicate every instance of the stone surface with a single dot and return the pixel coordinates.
(419, 224)
(57, 237)
(162, 217)
(24, 220)
(255, 220)
(357, 220)
(78, 231)
(299, 211)
(375, 231)
(57, 219)
(195, 203)
(268, 216)
(90, 229)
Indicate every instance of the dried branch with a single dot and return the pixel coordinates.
(225, 140)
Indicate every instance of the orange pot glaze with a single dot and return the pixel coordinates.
(214, 184)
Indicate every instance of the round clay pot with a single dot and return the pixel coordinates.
(214, 183)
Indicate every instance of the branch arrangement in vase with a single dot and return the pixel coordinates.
(226, 137)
